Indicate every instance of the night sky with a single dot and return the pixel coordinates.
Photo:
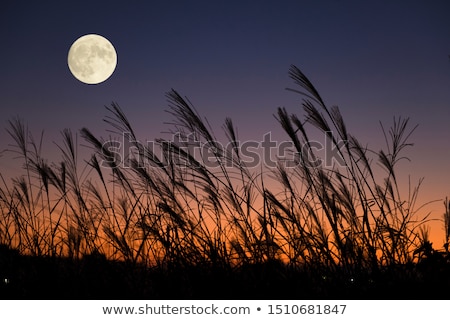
(374, 59)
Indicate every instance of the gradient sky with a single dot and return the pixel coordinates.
(374, 59)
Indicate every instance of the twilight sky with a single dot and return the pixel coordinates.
(374, 59)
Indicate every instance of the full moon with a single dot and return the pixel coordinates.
(92, 59)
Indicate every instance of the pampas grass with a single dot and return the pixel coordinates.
(169, 210)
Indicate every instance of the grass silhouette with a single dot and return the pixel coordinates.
(165, 223)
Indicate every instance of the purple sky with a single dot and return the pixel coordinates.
(374, 59)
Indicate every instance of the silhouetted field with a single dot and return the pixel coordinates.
(95, 277)
(193, 219)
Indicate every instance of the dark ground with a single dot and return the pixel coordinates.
(94, 277)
